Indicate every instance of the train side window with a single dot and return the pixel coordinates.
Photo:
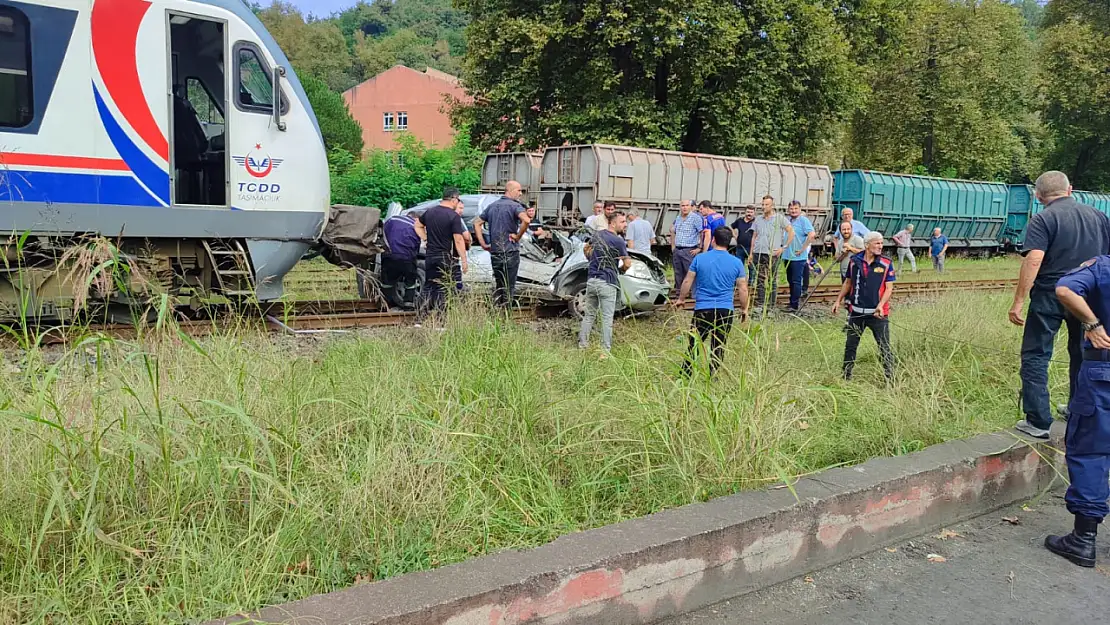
(256, 88)
(16, 98)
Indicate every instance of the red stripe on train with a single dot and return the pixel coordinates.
(12, 159)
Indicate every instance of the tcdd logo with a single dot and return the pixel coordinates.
(258, 166)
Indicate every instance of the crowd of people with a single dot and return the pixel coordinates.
(1065, 277)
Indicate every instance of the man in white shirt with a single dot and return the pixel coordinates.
(903, 240)
(639, 233)
(597, 221)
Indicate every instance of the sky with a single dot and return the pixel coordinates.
(322, 8)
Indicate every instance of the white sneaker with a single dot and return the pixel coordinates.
(1062, 410)
(1025, 427)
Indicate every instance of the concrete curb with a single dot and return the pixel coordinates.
(683, 559)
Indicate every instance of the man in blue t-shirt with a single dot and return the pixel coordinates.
(714, 275)
(938, 245)
(710, 221)
(796, 255)
(608, 255)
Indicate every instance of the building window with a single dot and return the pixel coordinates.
(402, 121)
(16, 104)
(387, 121)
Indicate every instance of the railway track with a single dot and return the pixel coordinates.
(309, 316)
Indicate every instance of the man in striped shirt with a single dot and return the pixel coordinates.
(685, 240)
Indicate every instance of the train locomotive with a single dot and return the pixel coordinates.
(174, 130)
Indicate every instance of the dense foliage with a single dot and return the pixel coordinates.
(1075, 84)
(409, 175)
(988, 89)
(955, 95)
(359, 43)
(340, 130)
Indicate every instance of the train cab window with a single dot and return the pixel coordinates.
(16, 104)
(256, 87)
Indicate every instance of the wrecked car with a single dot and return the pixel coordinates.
(553, 266)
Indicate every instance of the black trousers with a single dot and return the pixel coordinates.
(399, 280)
(765, 269)
(505, 267)
(439, 275)
(880, 329)
(711, 327)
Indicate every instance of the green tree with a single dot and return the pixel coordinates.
(954, 94)
(767, 78)
(340, 130)
(1075, 83)
(316, 47)
(410, 174)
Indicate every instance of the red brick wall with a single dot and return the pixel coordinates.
(400, 89)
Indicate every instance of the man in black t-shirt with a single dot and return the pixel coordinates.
(742, 229)
(443, 230)
(1057, 240)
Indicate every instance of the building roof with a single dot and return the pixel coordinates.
(429, 72)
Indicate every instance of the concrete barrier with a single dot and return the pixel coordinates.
(680, 560)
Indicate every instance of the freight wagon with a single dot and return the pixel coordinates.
(973, 215)
(1024, 204)
(563, 183)
(524, 167)
(566, 181)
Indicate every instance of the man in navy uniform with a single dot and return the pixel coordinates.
(1085, 293)
(868, 288)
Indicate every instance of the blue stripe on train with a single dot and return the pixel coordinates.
(72, 188)
(151, 175)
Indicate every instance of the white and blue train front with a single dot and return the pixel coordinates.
(172, 125)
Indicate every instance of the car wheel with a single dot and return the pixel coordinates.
(577, 302)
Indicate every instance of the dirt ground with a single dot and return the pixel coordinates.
(993, 571)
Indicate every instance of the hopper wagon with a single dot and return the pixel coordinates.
(655, 181)
(524, 167)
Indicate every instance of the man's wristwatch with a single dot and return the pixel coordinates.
(1092, 325)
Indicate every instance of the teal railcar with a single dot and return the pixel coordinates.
(1024, 204)
(971, 214)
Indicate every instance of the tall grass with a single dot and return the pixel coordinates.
(166, 480)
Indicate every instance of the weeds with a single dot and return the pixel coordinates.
(175, 480)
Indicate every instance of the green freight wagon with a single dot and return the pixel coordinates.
(971, 214)
(1023, 204)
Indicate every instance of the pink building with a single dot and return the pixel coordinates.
(403, 99)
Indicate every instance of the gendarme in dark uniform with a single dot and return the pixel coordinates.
(1085, 293)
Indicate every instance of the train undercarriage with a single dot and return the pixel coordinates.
(46, 279)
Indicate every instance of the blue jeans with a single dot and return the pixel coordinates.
(1088, 442)
(1041, 325)
(796, 275)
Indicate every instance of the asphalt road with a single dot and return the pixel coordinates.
(993, 572)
